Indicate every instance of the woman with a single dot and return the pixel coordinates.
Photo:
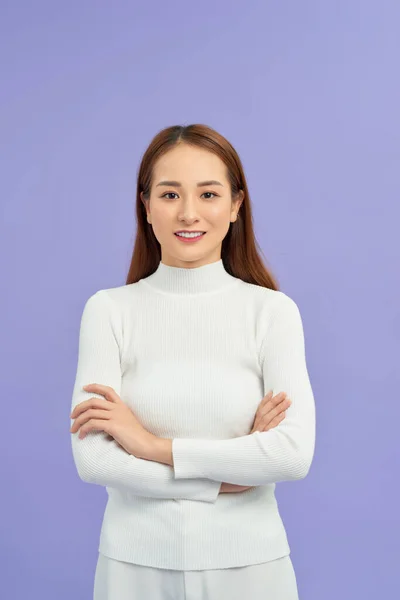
(192, 397)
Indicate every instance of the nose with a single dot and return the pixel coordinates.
(188, 213)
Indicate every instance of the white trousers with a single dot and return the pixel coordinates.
(117, 580)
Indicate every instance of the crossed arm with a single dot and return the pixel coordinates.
(199, 465)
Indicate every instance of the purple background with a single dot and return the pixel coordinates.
(309, 94)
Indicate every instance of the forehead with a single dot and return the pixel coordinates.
(189, 164)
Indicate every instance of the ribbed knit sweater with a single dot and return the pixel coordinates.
(192, 352)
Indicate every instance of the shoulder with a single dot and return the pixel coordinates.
(113, 303)
(115, 297)
(277, 313)
(109, 309)
(268, 301)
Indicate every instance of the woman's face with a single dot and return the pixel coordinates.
(185, 204)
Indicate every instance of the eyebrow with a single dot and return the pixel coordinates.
(200, 183)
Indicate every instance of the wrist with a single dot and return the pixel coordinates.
(160, 450)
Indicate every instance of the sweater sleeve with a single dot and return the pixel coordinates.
(283, 453)
(98, 458)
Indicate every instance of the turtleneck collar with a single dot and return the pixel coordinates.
(212, 277)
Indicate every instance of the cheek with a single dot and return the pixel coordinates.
(220, 222)
(163, 223)
(218, 216)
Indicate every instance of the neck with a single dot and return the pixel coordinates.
(206, 279)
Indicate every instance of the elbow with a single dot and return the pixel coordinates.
(84, 473)
(300, 469)
(301, 465)
(290, 459)
(302, 454)
(84, 467)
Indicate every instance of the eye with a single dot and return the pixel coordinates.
(169, 193)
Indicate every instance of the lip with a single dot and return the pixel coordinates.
(189, 240)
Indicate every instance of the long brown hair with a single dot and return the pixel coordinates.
(240, 251)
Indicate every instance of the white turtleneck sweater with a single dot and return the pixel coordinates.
(192, 352)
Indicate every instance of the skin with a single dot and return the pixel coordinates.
(207, 208)
(170, 208)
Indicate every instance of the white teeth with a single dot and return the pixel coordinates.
(189, 235)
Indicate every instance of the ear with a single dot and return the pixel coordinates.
(146, 207)
(237, 204)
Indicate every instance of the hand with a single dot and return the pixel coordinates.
(233, 488)
(114, 417)
(271, 411)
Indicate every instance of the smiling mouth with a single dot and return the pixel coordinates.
(190, 238)
(197, 234)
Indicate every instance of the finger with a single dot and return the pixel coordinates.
(269, 413)
(278, 398)
(105, 390)
(274, 422)
(267, 397)
(94, 425)
(273, 409)
(279, 408)
(264, 401)
(87, 415)
(275, 412)
(91, 403)
(270, 400)
(267, 425)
